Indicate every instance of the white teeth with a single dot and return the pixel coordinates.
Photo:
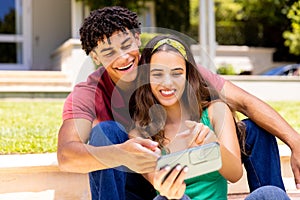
(125, 67)
(167, 92)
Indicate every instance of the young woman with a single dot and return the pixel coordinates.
(174, 106)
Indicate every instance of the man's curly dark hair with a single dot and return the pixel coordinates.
(104, 22)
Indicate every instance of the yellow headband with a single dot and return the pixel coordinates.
(177, 45)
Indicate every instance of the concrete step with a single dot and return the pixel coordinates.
(31, 74)
(34, 84)
(239, 190)
(37, 176)
(15, 79)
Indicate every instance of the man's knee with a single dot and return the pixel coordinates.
(107, 133)
(257, 135)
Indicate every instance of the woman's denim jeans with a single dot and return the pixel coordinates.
(262, 165)
(262, 193)
(267, 193)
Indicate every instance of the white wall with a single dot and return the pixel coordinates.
(242, 58)
(269, 88)
(51, 28)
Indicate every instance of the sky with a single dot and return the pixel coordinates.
(5, 6)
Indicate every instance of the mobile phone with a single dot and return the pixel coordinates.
(200, 160)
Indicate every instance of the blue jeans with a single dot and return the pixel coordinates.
(263, 161)
(116, 183)
(262, 165)
(104, 183)
(262, 193)
(268, 192)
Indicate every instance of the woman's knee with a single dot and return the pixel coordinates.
(268, 192)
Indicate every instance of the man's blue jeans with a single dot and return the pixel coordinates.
(116, 183)
(262, 164)
(108, 184)
(263, 161)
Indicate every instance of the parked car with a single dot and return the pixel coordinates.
(285, 70)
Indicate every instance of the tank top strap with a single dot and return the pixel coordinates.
(205, 119)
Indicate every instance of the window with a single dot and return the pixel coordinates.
(14, 35)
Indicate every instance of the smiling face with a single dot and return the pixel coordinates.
(167, 77)
(119, 54)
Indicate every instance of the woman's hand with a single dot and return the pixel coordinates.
(170, 182)
(196, 134)
(202, 133)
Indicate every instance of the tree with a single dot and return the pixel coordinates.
(173, 15)
(292, 37)
(266, 19)
(130, 4)
(254, 23)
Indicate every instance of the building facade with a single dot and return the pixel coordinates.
(32, 32)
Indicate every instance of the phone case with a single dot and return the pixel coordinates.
(200, 160)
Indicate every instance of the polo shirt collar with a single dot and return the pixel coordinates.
(117, 101)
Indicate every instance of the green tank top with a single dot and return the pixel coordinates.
(212, 186)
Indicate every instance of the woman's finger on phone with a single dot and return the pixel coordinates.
(210, 137)
(195, 129)
(160, 184)
(169, 187)
(160, 175)
(202, 134)
(172, 176)
(180, 178)
(177, 189)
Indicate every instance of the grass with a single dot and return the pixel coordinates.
(32, 127)
(290, 111)
(29, 127)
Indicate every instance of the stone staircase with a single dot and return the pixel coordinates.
(37, 176)
(239, 190)
(34, 84)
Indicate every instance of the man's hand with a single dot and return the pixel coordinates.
(140, 155)
(170, 182)
(295, 164)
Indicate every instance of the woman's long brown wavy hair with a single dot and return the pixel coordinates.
(147, 113)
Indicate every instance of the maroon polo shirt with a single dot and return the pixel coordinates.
(96, 100)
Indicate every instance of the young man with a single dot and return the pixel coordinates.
(92, 138)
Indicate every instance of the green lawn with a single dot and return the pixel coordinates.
(32, 127)
(290, 111)
(29, 127)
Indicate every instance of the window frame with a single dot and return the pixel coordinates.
(24, 38)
